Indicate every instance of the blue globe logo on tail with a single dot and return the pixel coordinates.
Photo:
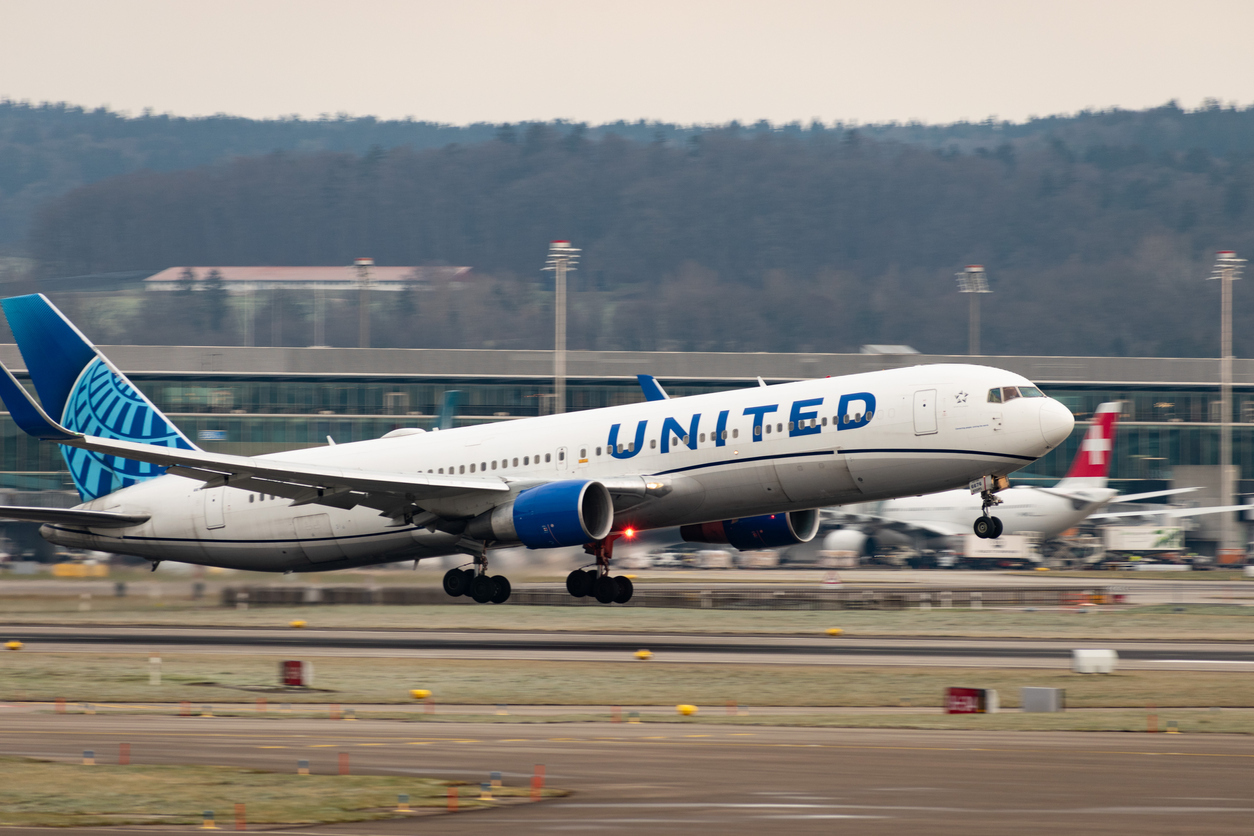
(108, 406)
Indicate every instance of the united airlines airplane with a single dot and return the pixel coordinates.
(746, 467)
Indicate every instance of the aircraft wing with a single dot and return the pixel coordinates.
(1173, 513)
(342, 487)
(71, 516)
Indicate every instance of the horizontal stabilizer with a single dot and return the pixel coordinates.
(72, 516)
(1174, 513)
(1137, 497)
(28, 415)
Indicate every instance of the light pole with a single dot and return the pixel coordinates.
(1227, 268)
(362, 266)
(562, 257)
(972, 280)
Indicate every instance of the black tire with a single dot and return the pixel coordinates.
(577, 584)
(605, 589)
(983, 527)
(625, 588)
(501, 584)
(998, 528)
(456, 583)
(482, 589)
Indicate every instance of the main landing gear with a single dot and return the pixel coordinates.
(597, 583)
(988, 527)
(476, 583)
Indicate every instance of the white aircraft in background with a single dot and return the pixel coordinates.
(746, 467)
(1080, 495)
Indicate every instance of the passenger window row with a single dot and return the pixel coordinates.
(630, 447)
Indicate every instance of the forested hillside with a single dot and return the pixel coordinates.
(1098, 231)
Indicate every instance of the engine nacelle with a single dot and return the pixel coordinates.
(768, 531)
(568, 513)
(845, 540)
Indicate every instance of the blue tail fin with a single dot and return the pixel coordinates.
(80, 387)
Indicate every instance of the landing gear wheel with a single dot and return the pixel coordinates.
(501, 586)
(482, 589)
(577, 584)
(456, 583)
(983, 527)
(605, 589)
(997, 529)
(625, 588)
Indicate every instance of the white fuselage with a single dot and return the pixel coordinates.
(1024, 508)
(926, 428)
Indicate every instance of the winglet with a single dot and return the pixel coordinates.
(28, 415)
(653, 390)
(448, 409)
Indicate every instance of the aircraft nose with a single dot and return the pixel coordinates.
(1056, 422)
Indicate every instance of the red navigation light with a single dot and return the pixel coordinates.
(629, 533)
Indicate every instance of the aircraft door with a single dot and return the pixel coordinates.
(562, 464)
(215, 515)
(925, 412)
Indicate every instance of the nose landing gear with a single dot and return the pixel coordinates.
(988, 527)
(597, 582)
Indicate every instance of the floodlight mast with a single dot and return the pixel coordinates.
(362, 266)
(1227, 269)
(974, 281)
(562, 257)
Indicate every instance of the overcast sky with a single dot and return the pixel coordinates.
(686, 61)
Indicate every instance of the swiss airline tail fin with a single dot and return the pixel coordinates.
(1092, 462)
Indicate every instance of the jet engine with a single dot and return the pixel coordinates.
(768, 531)
(567, 513)
(845, 540)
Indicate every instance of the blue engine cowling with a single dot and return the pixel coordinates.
(568, 513)
(768, 531)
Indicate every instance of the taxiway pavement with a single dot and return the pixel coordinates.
(710, 779)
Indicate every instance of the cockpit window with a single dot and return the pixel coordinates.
(1031, 392)
(994, 396)
(1009, 393)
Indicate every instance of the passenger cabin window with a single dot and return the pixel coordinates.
(462, 468)
(598, 451)
(548, 457)
(494, 464)
(653, 444)
(583, 452)
(561, 455)
(515, 461)
(994, 396)
(735, 433)
(472, 468)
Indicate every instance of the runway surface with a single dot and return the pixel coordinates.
(706, 779)
(724, 649)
